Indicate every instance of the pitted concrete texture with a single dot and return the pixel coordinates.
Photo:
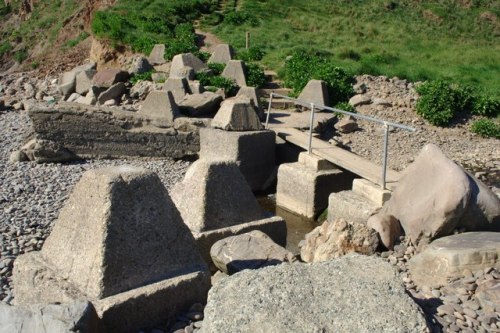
(350, 206)
(119, 242)
(222, 54)
(254, 152)
(235, 70)
(214, 195)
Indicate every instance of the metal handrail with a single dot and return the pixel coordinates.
(314, 107)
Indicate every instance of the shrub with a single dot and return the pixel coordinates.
(183, 42)
(216, 68)
(209, 79)
(21, 55)
(486, 106)
(439, 101)
(345, 106)
(252, 54)
(74, 42)
(303, 66)
(239, 18)
(146, 76)
(202, 55)
(255, 75)
(5, 9)
(486, 128)
(5, 47)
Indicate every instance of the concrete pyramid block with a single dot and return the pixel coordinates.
(183, 60)
(254, 96)
(160, 105)
(179, 87)
(237, 114)
(213, 195)
(235, 70)
(120, 243)
(157, 55)
(315, 92)
(222, 54)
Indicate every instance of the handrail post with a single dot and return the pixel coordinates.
(384, 158)
(311, 125)
(269, 110)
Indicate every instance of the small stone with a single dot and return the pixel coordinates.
(458, 315)
(436, 293)
(189, 329)
(454, 328)
(467, 273)
(445, 309)
(469, 312)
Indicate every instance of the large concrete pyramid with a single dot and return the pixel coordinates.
(214, 195)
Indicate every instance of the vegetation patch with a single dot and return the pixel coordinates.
(303, 66)
(141, 24)
(486, 128)
(391, 38)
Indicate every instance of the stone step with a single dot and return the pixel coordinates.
(266, 92)
(279, 103)
(270, 75)
(350, 206)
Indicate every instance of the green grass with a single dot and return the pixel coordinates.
(74, 42)
(417, 40)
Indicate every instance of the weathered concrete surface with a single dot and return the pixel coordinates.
(250, 250)
(274, 227)
(350, 206)
(109, 76)
(178, 86)
(315, 92)
(304, 190)
(371, 191)
(214, 195)
(255, 96)
(103, 132)
(67, 81)
(120, 243)
(160, 105)
(197, 105)
(337, 238)
(157, 55)
(50, 318)
(253, 152)
(449, 256)
(222, 54)
(237, 114)
(181, 61)
(235, 70)
(332, 296)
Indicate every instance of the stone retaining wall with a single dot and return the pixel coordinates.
(104, 132)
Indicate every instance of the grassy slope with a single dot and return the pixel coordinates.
(416, 40)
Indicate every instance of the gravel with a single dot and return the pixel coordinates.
(31, 194)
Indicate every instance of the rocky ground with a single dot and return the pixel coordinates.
(31, 194)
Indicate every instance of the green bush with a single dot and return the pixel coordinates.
(216, 68)
(486, 106)
(202, 55)
(238, 18)
(303, 66)
(486, 128)
(141, 24)
(344, 106)
(5, 9)
(252, 54)
(5, 47)
(146, 76)
(21, 55)
(74, 42)
(255, 75)
(209, 79)
(184, 41)
(440, 101)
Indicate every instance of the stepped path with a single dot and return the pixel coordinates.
(287, 122)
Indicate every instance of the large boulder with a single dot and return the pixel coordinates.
(105, 78)
(119, 242)
(84, 81)
(236, 71)
(450, 256)
(112, 93)
(50, 318)
(222, 54)
(184, 60)
(140, 65)
(338, 238)
(213, 195)
(66, 83)
(315, 92)
(388, 228)
(350, 294)
(161, 106)
(250, 250)
(435, 196)
(197, 105)
(237, 114)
